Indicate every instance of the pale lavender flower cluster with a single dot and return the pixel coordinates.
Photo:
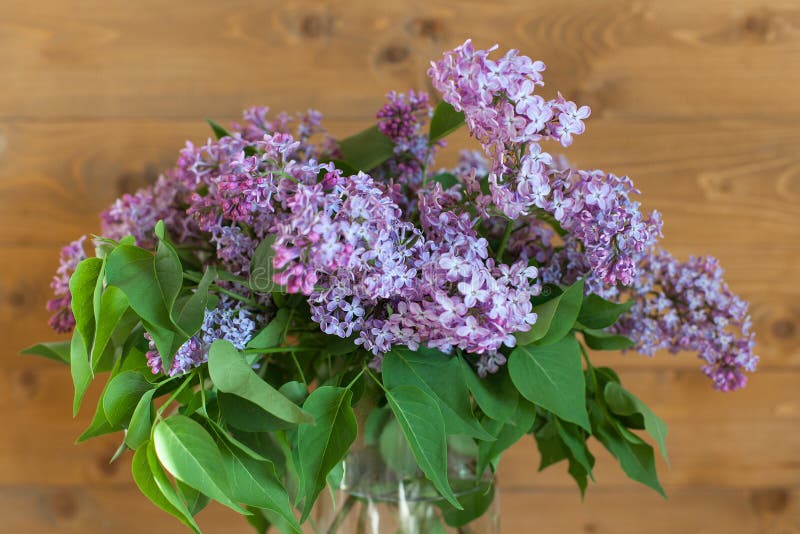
(503, 113)
(687, 306)
(391, 258)
(62, 320)
(229, 321)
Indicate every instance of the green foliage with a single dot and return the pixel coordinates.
(231, 374)
(495, 394)
(556, 317)
(506, 434)
(440, 377)
(551, 377)
(82, 285)
(366, 150)
(219, 130)
(599, 340)
(54, 350)
(166, 499)
(622, 402)
(445, 121)
(421, 420)
(188, 452)
(598, 313)
(321, 446)
(80, 369)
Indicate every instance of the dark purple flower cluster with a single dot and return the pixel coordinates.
(687, 306)
(62, 320)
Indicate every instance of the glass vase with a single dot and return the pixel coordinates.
(380, 490)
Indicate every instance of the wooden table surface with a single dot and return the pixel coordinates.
(696, 100)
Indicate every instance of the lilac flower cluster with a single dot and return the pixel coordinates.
(607, 231)
(392, 258)
(388, 282)
(229, 321)
(62, 320)
(687, 306)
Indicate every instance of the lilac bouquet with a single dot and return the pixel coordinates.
(279, 287)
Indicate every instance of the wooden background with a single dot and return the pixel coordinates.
(697, 100)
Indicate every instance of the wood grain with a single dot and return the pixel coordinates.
(696, 101)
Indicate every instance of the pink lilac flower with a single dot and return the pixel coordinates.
(687, 306)
(71, 255)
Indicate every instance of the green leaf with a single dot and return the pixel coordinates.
(54, 350)
(446, 179)
(195, 500)
(189, 313)
(122, 396)
(476, 501)
(599, 340)
(271, 335)
(244, 415)
(82, 285)
(188, 452)
(166, 488)
(321, 446)
(439, 376)
(623, 402)
(573, 438)
(152, 284)
(367, 149)
(257, 520)
(635, 456)
(141, 421)
(255, 483)
(598, 313)
(80, 369)
(231, 374)
(113, 304)
(556, 317)
(551, 447)
(552, 377)
(495, 394)
(99, 425)
(507, 433)
(219, 130)
(423, 425)
(445, 121)
(168, 501)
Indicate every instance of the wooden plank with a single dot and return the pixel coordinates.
(87, 510)
(718, 190)
(117, 59)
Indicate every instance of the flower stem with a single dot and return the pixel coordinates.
(504, 242)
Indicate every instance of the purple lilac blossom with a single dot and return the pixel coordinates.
(63, 321)
(392, 260)
(229, 321)
(687, 306)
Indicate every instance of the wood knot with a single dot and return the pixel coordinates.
(63, 505)
(590, 528)
(770, 500)
(394, 54)
(760, 26)
(16, 299)
(104, 465)
(314, 26)
(783, 328)
(427, 28)
(130, 182)
(28, 381)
